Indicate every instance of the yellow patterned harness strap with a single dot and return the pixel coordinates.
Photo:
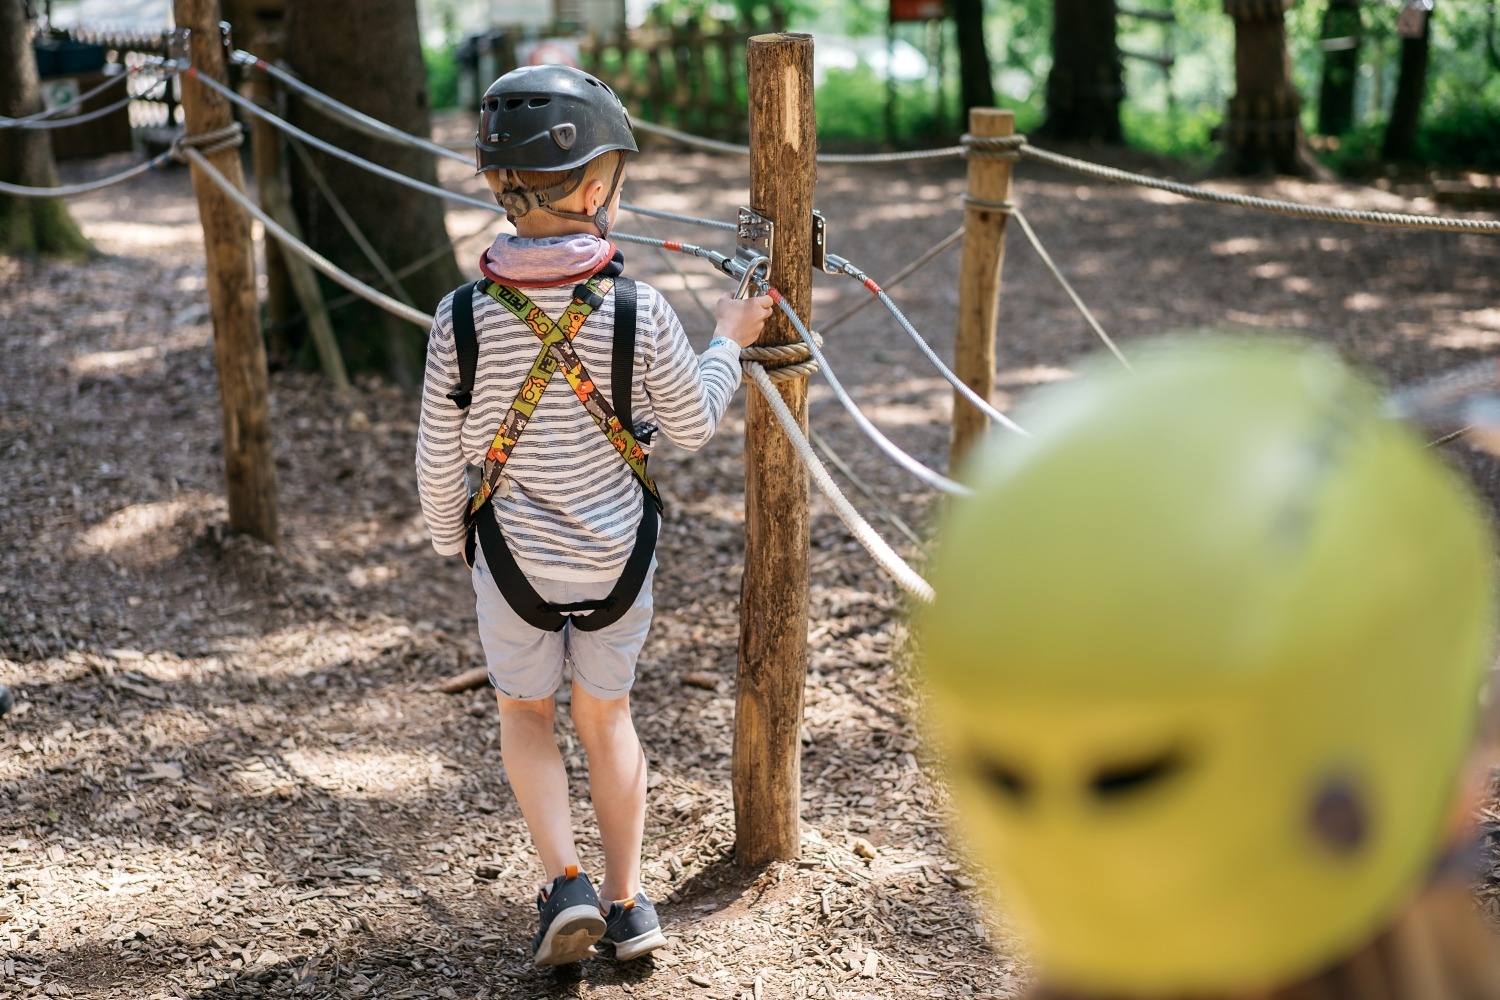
(557, 351)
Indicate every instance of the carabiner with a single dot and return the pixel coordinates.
(759, 261)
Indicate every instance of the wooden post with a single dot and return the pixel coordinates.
(265, 148)
(773, 597)
(239, 352)
(979, 280)
(304, 281)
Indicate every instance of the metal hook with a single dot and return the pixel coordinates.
(760, 261)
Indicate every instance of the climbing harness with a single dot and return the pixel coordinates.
(614, 420)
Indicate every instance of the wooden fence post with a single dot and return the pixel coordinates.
(979, 280)
(773, 599)
(239, 352)
(265, 149)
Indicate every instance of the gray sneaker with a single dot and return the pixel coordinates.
(571, 921)
(631, 928)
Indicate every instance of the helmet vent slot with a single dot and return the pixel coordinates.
(1003, 778)
(513, 103)
(539, 102)
(1119, 782)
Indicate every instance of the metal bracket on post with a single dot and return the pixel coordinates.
(755, 238)
(820, 244)
(177, 46)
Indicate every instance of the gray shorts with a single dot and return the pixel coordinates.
(526, 663)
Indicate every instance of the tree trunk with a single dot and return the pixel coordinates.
(1262, 132)
(367, 54)
(28, 225)
(1411, 87)
(1342, 32)
(974, 81)
(1084, 88)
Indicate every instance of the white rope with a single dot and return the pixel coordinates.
(19, 191)
(377, 129)
(884, 556)
(931, 477)
(1301, 211)
(1057, 273)
(735, 149)
(338, 153)
(372, 127)
(304, 251)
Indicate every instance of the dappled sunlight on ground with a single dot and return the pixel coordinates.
(230, 772)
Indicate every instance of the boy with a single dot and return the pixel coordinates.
(561, 532)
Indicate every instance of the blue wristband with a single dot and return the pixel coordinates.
(723, 340)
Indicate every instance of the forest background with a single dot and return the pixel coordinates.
(1176, 75)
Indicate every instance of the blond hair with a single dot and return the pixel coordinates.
(600, 168)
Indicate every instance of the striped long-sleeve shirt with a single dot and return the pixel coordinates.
(573, 506)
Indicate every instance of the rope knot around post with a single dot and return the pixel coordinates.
(231, 136)
(1005, 207)
(783, 362)
(995, 147)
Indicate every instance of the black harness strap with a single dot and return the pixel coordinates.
(484, 529)
(465, 342)
(622, 357)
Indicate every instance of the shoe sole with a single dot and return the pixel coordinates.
(571, 936)
(640, 945)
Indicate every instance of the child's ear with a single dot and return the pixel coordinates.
(593, 196)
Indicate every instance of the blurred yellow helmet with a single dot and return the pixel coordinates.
(1206, 660)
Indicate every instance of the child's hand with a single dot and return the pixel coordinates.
(741, 320)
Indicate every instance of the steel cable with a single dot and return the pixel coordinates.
(963, 388)
(932, 478)
(93, 92)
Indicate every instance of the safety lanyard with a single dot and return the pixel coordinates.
(557, 351)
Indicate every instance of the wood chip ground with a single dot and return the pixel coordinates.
(229, 773)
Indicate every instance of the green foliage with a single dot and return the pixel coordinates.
(851, 106)
(742, 13)
(442, 75)
(1183, 133)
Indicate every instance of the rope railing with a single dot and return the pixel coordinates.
(1276, 207)
(193, 155)
(26, 121)
(931, 477)
(285, 126)
(1067, 286)
(88, 187)
(963, 388)
(83, 118)
(885, 557)
(375, 128)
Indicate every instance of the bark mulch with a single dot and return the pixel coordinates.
(229, 772)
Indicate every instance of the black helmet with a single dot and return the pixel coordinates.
(550, 118)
